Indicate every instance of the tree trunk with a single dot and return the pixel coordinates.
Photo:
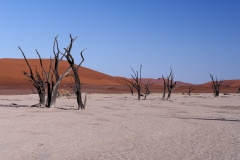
(169, 94)
(79, 101)
(42, 99)
(77, 86)
(48, 105)
(139, 95)
(54, 95)
(164, 92)
(41, 95)
(217, 92)
(78, 90)
(190, 90)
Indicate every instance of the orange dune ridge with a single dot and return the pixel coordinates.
(228, 83)
(11, 73)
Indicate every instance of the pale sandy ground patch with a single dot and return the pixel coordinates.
(117, 126)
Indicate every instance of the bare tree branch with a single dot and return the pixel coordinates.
(130, 86)
(147, 90)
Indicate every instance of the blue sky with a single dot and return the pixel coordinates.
(193, 36)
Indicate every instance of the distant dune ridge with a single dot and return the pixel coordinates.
(11, 73)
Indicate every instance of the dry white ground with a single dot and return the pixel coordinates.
(121, 127)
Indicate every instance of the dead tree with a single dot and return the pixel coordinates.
(53, 82)
(75, 75)
(170, 83)
(216, 85)
(190, 89)
(51, 78)
(164, 87)
(37, 80)
(147, 90)
(130, 86)
(137, 81)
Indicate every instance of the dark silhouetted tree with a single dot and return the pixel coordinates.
(37, 80)
(215, 85)
(164, 87)
(136, 81)
(75, 75)
(190, 89)
(168, 84)
(51, 78)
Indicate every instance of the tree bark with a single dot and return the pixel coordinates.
(139, 95)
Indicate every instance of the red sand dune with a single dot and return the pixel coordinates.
(12, 80)
(11, 73)
(156, 82)
(228, 83)
(159, 82)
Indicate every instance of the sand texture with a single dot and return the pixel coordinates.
(117, 126)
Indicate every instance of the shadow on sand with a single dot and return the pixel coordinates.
(211, 119)
(32, 106)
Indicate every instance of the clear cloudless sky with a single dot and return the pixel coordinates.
(195, 37)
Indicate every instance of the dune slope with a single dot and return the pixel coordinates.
(11, 72)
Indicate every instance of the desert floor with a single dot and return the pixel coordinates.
(117, 126)
(109, 89)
